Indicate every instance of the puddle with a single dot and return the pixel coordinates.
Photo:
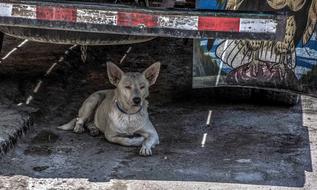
(38, 150)
(44, 137)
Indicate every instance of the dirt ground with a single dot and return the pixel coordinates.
(249, 146)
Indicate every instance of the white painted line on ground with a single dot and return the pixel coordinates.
(209, 118)
(203, 141)
(28, 100)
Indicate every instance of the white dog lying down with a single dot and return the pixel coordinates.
(120, 114)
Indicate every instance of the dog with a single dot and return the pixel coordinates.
(120, 114)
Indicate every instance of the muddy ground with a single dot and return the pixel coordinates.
(248, 144)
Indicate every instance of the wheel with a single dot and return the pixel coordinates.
(72, 37)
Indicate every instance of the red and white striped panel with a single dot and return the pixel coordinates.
(137, 19)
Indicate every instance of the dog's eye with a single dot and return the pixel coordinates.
(142, 87)
(128, 87)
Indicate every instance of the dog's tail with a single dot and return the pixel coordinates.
(68, 126)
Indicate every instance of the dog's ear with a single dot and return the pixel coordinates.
(114, 73)
(152, 72)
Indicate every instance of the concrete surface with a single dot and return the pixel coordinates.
(248, 146)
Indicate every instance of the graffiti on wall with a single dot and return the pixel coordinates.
(289, 64)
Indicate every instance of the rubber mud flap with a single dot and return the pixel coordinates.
(72, 37)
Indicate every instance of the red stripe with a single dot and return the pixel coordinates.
(136, 19)
(221, 24)
(56, 13)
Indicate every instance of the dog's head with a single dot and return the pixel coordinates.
(132, 87)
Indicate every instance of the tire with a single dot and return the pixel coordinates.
(72, 37)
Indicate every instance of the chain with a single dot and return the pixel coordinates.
(125, 55)
(83, 50)
(13, 50)
(47, 73)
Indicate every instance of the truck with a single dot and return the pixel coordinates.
(239, 43)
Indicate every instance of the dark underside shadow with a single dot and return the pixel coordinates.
(246, 144)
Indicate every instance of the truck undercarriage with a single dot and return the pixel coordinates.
(98, 23)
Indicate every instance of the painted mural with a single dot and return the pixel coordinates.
(290, 64)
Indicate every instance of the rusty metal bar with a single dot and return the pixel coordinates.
(130, 28)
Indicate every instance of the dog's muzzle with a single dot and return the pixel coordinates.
(136, 100)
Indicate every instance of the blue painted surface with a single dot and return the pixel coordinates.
(306, 56)
(207, 4)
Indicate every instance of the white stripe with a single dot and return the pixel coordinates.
(24, 11)
(179, 22)
(5, 9)
(203, 141)
(28, 100)
(258, 25)
(208, 118)
(97, 16)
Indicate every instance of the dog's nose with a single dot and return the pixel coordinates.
(136, 100)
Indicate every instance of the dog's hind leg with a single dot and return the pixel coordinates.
(93, 130)
(87, 111)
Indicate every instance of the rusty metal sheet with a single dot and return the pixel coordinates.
(179, 22)
(56, 13)
(97, 16)
(258, 25)
(25, 11)
(5, 9)
(125, 20)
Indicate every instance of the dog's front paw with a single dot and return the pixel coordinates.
(145, 151)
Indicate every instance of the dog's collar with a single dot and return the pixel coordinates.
(123, 111)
